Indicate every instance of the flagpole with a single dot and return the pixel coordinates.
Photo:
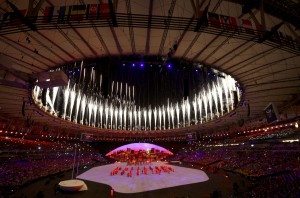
(78, 158)
(74, 161)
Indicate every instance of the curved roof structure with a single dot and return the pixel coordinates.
(140, 146)
(252, 44)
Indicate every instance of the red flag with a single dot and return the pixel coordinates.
(234, 24)
(48, 14)
(247, 24)
(200, 13)
(214, 20)
(93, 11)
(104, 11)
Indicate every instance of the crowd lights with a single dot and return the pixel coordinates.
(291, 141)
(295, 124)
(257, 130)
(42, 136)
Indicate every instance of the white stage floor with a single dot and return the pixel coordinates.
(123, 184)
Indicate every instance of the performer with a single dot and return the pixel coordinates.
(112, 192)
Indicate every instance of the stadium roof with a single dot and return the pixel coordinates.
(263, 54)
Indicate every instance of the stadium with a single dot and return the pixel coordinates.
(149, 98)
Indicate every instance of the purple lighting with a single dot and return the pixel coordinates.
(123, 64)
(133, 64)
(139, 146)
(169, 66)
(142, 65)
(143, 183)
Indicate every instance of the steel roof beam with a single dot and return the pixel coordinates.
(147, 48)
(98, 36)
(167, 24)
(23, 52)
(130, 26)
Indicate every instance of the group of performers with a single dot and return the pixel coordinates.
(154, 170)
(137, 163)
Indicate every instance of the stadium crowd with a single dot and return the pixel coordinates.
(24, 160)
(273, 168)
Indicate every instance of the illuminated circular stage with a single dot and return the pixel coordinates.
(136, 153)
(143, 182)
